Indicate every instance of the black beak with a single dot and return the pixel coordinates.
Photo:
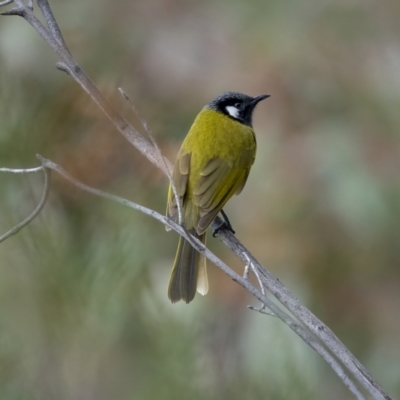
(248, 112)
(259, 98)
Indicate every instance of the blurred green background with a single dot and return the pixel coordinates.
(83, 306)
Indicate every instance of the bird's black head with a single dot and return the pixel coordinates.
(237, 106)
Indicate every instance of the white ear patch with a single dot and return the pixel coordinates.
(233, 111)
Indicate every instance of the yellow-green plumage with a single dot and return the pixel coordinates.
(212, 165)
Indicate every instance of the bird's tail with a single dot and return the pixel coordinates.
(189, 271)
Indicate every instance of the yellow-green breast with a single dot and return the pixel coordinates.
(214, 134)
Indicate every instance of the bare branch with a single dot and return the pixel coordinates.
(151, 213)
(77, 73)
(20, 12)
(53, 37)
(37, 210)
(5, 2)
(21, 171)
(250, 265)
(52, 23)
(307, 317)
(262, 310)
(215, 260)
(55, 167)
(157, 147)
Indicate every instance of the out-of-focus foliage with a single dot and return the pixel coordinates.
(83, 306)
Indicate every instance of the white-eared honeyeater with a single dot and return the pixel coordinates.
(212, 165)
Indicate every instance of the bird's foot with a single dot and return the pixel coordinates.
(225, 224)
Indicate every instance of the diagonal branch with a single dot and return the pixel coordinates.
(77, 73)
(244, 282)
(149, 132)
(52, 23)
(53, 37)
(21, 171)
(316, 326)
(5, 2)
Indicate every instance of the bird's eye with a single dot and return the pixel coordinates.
(238, 105)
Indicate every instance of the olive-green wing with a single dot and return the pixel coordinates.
(180, 177)
(219, 181)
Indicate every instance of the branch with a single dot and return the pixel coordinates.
(242, 281)
(52, 35)
(39, 207)
(52, 23)
(5, 2)
(160, 156)
(285, 297)
(21, 171)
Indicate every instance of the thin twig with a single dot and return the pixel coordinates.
(37, 210)
(21, 171)
(157, 147)
(52, 23)
(55, 167)
(262, 310)
(250, 265)
(5, 2)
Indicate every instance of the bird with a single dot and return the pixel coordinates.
(212, 165)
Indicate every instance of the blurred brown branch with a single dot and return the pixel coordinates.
(52, 35)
